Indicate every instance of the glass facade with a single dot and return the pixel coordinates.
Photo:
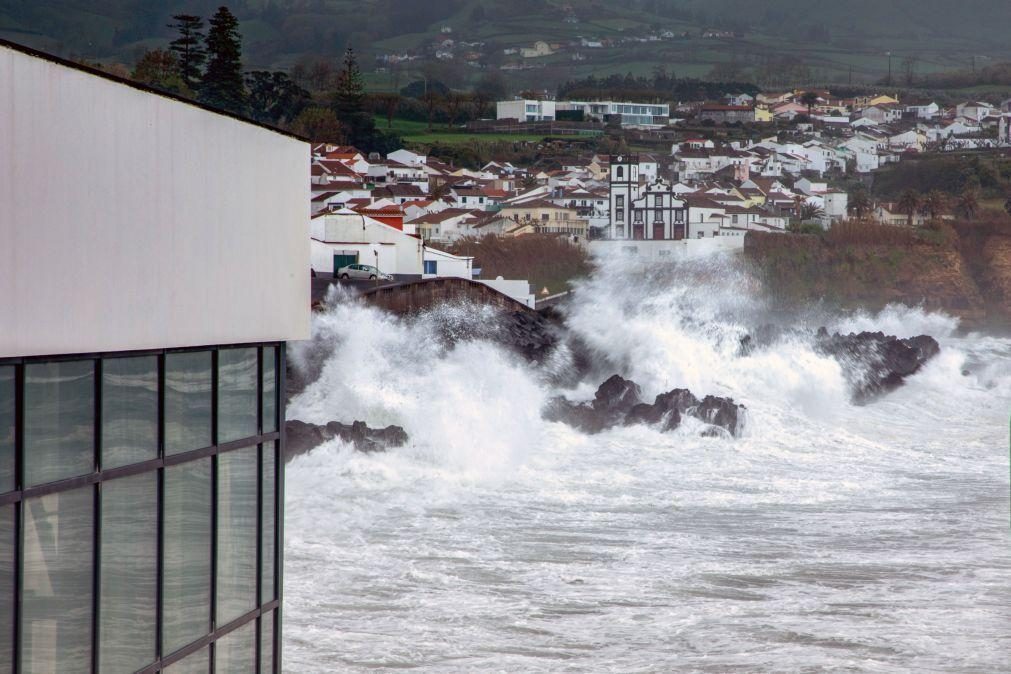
(139, 511)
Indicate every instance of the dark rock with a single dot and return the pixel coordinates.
(721, 413)
(302, 437)
(877, 363)
(617, 402)
(612, 401)
(616, 396)
(667, 409)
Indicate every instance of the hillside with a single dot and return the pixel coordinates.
(775, 42)
(965, 271)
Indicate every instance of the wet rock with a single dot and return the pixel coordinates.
(721, 413)
(302, 437)
(877, 363)
(617, 402)
(667, 409)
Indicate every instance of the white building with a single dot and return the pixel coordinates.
(633, 115)
(145, 314)
(345, 237)
(640, 210)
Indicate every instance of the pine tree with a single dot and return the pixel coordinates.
(349, 103)
(189, 48)
(223, 86)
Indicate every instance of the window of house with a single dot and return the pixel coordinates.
(431, 266)
(129, 573)
(56, 616)
(268, 367)
(237, 394)
(236, 533)
(235, 653)
(620, 172)
(187, 401)
(186, 554)
(59, 432)
(129, 410)
(7, 421)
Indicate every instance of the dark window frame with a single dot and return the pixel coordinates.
(270, 441)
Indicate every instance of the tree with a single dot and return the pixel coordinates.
(222, 85)
(811, 212)
(909, 203)
(860, 203)
(454, 104)
(319, 124)
(491, 88)
(968, 203)
(810, 99)
(349, 103)
(189, 48)
(431, 101)
(274, 98)
(160, 69)
(388, 104)
(935, 203)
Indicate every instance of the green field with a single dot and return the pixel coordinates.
(418, 133)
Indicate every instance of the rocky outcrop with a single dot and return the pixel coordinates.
(618, 402)
(877, 363)
(302, 437)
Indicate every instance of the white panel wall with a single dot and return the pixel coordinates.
(129, 220)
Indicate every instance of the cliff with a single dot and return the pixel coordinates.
(960, 270)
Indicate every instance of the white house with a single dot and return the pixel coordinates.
(345, 237)
(440, 264)
(407, 157)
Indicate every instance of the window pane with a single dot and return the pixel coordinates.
(56, 600)
(236, 394)
(7, 558)
(269, 389)
(186, 596)
(235, 653)
(197, 663)
(59, 420)
(267, 643)
(236, 534)
(129, 580)
(267, 500)
(129, 410)
(187, 401)
(7, 384)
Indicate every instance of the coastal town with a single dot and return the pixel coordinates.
(402, 211)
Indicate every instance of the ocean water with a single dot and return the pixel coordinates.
(831, 537)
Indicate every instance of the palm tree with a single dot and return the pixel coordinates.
(860, 203)
(935, 203)
(810, 99)
(968, 203)
(811, 212)
(909, 203)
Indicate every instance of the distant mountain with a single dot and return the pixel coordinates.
(770, 40)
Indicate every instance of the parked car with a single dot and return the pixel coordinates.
(362, 272)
